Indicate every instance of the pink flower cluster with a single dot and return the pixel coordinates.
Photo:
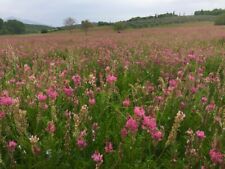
(216, 156)
(148, 123)
(210, 107)
(6, 101)
(41, 97)
(126, 103)
(97, 157)
(200, 134)
(108, 147)
(68, 91)
(50, 127)
(131, 125)
(111, 79)
(81, 142)
(51, 92)
(2, 115)
(76, 79)
(139, 111)
(11, 146)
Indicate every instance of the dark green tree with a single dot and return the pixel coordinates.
(119, 26)
(1, 23)
(15, 27)
(86, 25)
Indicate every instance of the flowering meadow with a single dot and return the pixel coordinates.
(141, 99)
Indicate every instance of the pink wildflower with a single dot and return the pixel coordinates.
(6, 101)
(2, 115)
(11, 145)
(97, 157)
(76, 79)
(200, 134)
(132, 125)
(92, 101)
(52, 93)
(216, 156)
(41, 97)
(123, 132)
(108, 147)
(68, 91)
(173, 83)
(194, 90)
(149, 123)
(51, 127)
(81, 143)
(157, 135)
(204, 99)
(210, 107)
(26, 68)
(126, 103)
(111, 79)
(139, 111)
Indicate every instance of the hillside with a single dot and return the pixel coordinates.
(156, 21)
(30, 28)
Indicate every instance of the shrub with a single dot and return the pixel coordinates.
(15, 27)
(119, 26)
(44, 31)
(220, 20)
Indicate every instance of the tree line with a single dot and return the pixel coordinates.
(11, 27)
(212, 12)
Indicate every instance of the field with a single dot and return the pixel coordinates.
(150, 98)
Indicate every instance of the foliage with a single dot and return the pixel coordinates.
(37, 28)
(101, 23)
(69, 22)
(220, 20)
(1, 23)
(151, 21)
(44, 31)
(15, 27)
(208, 12)
(11, 27)
(86, 25)
(119, 26)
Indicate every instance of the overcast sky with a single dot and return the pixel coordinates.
(53, 12)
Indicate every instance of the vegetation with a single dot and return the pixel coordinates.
(101, 23)
(37, 28)
(11, 27)
(86, 25)
(212, 12)
(220, 20)
(119, 26)
(69, 23)
(153, 21)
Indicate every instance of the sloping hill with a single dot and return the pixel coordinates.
(30, 28)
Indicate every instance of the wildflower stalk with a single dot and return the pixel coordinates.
(173, 133)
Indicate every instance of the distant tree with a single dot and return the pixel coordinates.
(101, 23)
(1, 23)
(69, 22)
(119, 26)
(44, 31)
(86, 25)
(208, 12)
(220, 20)
(15, 27)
